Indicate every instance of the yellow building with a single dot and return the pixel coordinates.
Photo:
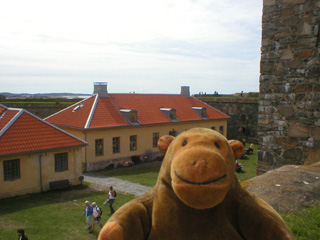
(122, 127)
(35, 155)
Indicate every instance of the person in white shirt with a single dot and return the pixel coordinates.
(96, 216)
(112, 195)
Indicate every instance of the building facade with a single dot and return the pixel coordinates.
(35, 155)
(122, 127)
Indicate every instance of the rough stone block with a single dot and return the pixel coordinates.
(287, 142)
(303, 88)
(299, 131)
(266, 67)
(293, 1)
(294, 155)
(304, 54)
(286, 110)
(313, 71)
(305, 29)
(269, 2)
(265, 156)
(287, 55)
(313, 157)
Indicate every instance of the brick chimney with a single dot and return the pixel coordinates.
(101, 88)
(185, 91)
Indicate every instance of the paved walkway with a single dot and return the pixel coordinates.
(103, 183)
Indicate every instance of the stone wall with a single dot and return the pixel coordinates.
(244, 116)
(289, 109)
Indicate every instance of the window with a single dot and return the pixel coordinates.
(61, 162)
(116, 144)
(155, 139)
(11, 169)
(204, 112)
(99, 147)
(133, 116)
(133, 143)
(213, 128)
(172, 114)
(221, 130)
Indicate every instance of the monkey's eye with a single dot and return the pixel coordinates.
(185, 142)
(217, 145)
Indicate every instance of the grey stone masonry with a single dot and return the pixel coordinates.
(289, 109)
(243, 113)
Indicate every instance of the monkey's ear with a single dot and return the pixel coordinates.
(237, 148)
(164, 142)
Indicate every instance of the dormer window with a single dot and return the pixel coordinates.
(201, 111)
(133, 116)
(170, 113)
(130, 115)
(204, 113)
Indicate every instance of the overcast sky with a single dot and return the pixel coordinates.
(146, 46)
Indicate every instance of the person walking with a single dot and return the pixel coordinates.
(21, 235)
(112, 195)
(88, 211)
(96, 213)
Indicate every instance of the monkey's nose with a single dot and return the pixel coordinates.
(199, 166)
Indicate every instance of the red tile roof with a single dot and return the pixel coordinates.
(105, 111)
(21, 132)
(2, 108)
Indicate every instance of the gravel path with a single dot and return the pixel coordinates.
(103, 183)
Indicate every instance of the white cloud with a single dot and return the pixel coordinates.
(142, 45)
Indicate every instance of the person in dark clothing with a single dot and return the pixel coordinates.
(21, 235)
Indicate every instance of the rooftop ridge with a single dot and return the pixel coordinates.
(93, 108)
(9, 124)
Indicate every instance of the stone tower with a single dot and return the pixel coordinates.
(289, 103)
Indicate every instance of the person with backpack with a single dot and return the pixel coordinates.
(88, 210)
(96, 213)
(112, 196)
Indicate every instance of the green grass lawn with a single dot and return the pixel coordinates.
(53, 215)
(147, 174)
(305, 222)
(249, 165)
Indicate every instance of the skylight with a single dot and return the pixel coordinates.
(77, 107)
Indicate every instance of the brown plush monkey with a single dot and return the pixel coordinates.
(197, 197)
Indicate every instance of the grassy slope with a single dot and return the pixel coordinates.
(305, 222)
(52, 215)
